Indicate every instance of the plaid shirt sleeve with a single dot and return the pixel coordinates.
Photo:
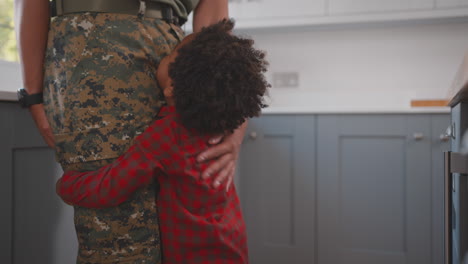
(114, 183)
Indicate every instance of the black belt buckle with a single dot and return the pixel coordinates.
(168, 15)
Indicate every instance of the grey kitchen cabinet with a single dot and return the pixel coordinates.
(380, 189)
(6, 191)
(36, 226)
(375, 6)
(277, 188)
(257, 14)
(451, 3)
(374, 179)
(255, 10)
(354, 189)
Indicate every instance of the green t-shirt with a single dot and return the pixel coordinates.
(182, 8)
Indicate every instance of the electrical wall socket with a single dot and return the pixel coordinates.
(285, 79)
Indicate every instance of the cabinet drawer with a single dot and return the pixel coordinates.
(375, 6)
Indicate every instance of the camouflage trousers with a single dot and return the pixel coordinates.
(100, 92)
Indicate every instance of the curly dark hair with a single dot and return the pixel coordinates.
(218, 80)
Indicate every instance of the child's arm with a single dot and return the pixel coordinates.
(114, 183)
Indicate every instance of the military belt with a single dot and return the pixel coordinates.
(131, 7)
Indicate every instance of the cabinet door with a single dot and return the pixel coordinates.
(440, 144)
(372, 6)
(374, 189)
(40, 225)
(6, 134)
(451, 3)
(277, 186)
(258, 9)
(234, 7)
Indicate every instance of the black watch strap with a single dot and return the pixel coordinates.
(34, 99)
(27, 100)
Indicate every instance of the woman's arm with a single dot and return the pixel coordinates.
(225, 148)
(32, 26)
(209, 12)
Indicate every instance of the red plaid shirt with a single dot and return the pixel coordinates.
(198, 224)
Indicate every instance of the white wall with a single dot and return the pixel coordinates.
(346, 67)
(372, 66)
(10, 76)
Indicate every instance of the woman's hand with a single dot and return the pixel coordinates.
(39, 116)
(32, 26)
(226, 150)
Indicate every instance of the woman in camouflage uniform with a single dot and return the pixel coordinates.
(97, 72)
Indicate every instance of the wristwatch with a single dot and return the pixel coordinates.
(26, 100)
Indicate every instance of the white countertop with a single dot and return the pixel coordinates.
(312, 110)
(364, 102)
(8, 96)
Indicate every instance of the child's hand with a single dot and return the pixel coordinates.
(226, 150)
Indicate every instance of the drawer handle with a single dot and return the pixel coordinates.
(418, 136)
(444, 137)
(253, 135)
(450, 132)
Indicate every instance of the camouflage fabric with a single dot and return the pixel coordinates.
(100, 91)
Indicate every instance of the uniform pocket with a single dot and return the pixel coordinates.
(92, 144)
